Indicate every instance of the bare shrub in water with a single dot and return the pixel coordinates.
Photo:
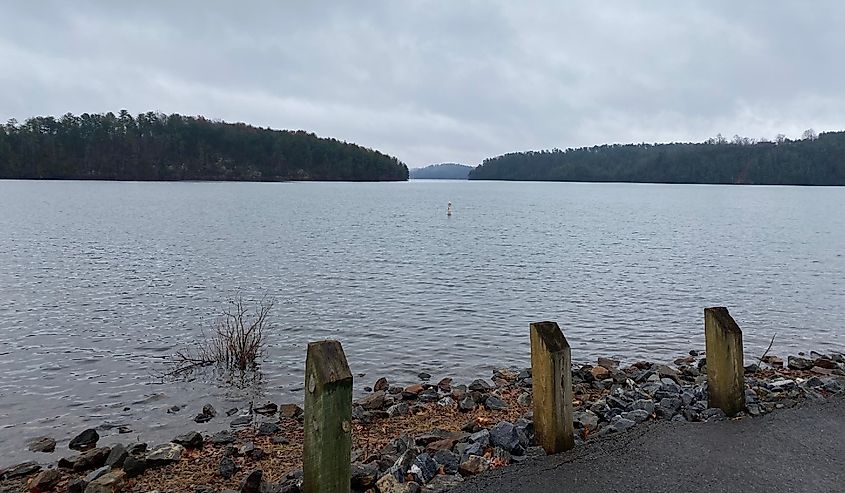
(236, 341)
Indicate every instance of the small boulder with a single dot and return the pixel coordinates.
(189, 440)
(266, 428)
(443, 484)
(85, 440)
(799, 363)
(111, 482)
(45, 480)
(600, 373)
(480, 386)
(267, 409)
(77, 485)
(117, 456)
(424, 468)
(241, 421)
(290, 411)
(165, 454)
(424, 376)
(227, 467)
(474, 465)
(507, 436)
(222, 438)
(42, 444)
(134, 466)
(495, 403)
(252, 483)
(381, 384)
(96, 473)
(363, 476)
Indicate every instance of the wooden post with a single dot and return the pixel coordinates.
(725, 372)
(551, 375)
(328, 419)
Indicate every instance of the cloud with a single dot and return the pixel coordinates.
(438, 81)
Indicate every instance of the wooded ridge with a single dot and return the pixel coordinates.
(155, 146)
(813, 160)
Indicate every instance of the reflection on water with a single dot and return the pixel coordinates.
(101, 282)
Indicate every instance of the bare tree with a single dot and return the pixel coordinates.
(809, 134)
(235, 343)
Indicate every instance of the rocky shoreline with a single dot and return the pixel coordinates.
(425, 437)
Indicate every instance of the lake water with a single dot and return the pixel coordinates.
(100, 282)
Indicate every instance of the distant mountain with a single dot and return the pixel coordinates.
(445, 171)
(813, 160)
(154, 146)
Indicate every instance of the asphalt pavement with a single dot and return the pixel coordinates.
(791, 450)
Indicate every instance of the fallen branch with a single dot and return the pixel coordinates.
(767, 349)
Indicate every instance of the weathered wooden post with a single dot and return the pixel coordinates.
(551, 375)
(328, 419)
(725, 372)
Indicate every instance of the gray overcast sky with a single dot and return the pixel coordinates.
(440, 81)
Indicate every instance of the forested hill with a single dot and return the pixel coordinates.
(445, 171)
(814, 160)
(154, 146)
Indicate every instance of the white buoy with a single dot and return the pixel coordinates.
(449, 209)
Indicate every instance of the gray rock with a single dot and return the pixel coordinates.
(799, 363)
(42, 444)
(134, 466)
(117, 456)
(668, 407)
(494, 403)
(85, 440)
(77, 485)
(267, 428)
(138, 448)
(637, 415)
(442, 484)
(90, 459)
(448, 460)
(424, 376)
(252, 483)
(507, 436)
(713, 414)
(241, 421)
(643, 404)
(20, 470)
(586, 419)
(363, 476)
(227, 467)
(480, 386)
(446, 402)
(267, 409)
(424, 468)
(466, 404)
(97, 473)
(400, 409)
(428, 395)
(110, 482)
(373, 401)
(279, 441)
(620, 424)
(165, 454)
(222, 438)
(189, 440)
(482, 437)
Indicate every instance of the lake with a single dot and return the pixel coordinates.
(101, 282)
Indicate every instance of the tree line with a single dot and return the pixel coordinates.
(813, 160)
(154, 146)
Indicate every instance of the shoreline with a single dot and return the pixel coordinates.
(426, 436)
